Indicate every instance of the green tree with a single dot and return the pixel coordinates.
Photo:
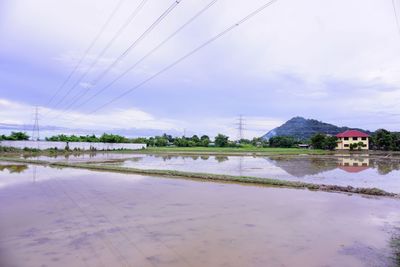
(150, 141)
(196, 140)
(112, 138)
(330, 142)
(16, 136)
(318, 141)
(161, 141)
(181, 142)
(382, 140)
(205, 140)
(282, 141)
(221, 140)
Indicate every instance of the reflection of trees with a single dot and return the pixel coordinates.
(386, 166)
(14, 168)
(136, 159)
(165, 157)
(301, 167)
(205, 157)
(221, 158)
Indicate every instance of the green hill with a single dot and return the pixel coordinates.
(303, 129)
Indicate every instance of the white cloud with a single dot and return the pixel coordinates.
(338, 39)
(86, 85)
(133, 118)
(353, 42)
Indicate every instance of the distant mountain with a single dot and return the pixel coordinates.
(302, 129)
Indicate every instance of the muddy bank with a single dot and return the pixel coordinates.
(215, 177)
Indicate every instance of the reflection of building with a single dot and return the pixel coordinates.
(354, 164)
(350, 137)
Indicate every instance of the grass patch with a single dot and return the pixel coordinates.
(212, 177)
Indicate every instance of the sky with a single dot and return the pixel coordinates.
(336, 61)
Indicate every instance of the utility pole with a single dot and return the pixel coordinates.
(35, 130)
(240, 127)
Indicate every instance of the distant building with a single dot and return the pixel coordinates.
(349, 137)
(303, 146)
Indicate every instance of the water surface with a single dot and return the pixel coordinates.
(71, 217)
(357, 171)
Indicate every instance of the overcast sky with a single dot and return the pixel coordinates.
(337, 61)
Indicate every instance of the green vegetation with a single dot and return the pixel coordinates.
(212, 177)
(221, 140)
(15, 136)
(380, 140)
(283, 141)
(323, 141)
(194, 141)
(356, 146)
(6, 149)
(105, 138)
(384, 140)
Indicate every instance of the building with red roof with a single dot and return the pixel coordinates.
(354, 138)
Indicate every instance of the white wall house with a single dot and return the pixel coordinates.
(352, 137)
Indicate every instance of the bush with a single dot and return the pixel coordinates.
(282, 141)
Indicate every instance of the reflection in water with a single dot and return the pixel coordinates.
(12, 168)
(296, 166)
(34, 170)
(221, 159)
(353, 165)
(385, 167)
(303, 166)
(75, 217)
(358, 170)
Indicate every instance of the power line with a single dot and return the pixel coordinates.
(105, 49)
(210, 4)
(124, 54)
(214, 38)
(136, 42)
(396, 16)
(230, 28)
(91, 45)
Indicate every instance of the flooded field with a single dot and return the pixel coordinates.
(72, 217)
(83, 157)
(357, 171)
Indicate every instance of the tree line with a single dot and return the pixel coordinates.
(15, 136)
(104, 138)
(194, 141)
(379, 140)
